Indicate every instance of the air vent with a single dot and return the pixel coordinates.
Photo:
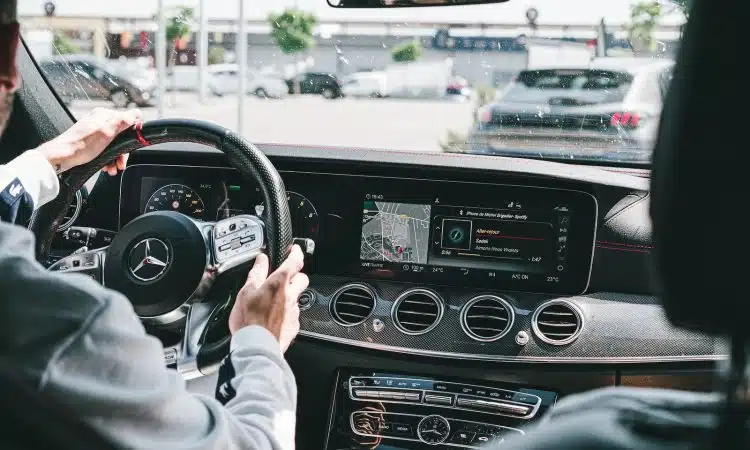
(71, 214)
(352, 304)
(487, 318)
(557, 322)
(417, 311)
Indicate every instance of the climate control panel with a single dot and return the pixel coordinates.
(445, 394)
(373, 410)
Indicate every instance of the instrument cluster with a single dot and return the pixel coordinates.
(219, 198)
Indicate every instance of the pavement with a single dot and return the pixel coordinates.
(394, 124)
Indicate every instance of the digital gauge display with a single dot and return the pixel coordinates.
(176, 197)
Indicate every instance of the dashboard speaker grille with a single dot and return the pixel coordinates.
(487, 318)
(557, 322)
(72, 213)
(417, 311)
(352, 304)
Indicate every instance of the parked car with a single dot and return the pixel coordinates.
(223, 79)
(364, 84)
(612, 106)
(85, 77)
(321, 83)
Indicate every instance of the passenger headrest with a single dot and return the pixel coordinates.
(701, 177)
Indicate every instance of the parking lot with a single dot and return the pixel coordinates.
(397, 124)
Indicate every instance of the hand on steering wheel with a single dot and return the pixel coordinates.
(88, 138)
(271, 301)
(166, 263)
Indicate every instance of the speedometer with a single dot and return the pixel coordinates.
(176, 197)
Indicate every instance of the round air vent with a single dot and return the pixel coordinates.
(352, 304)
(487, 318)
(417, 311)
(72, 213)
(557, 322)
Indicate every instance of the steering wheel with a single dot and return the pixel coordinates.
(166, 263)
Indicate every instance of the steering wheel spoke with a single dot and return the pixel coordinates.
(89, 263)
(198, 317)
(236, 241)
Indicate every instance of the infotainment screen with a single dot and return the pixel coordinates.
(513, 244)
(430, 232)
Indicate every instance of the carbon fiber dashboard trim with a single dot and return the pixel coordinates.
(620, 328)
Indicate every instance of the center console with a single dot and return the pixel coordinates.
(374, 410)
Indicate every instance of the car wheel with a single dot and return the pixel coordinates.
(120, 98)
(328, 93)
(260, 92)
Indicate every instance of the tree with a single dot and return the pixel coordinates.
(643, 19)
(292, 30)
(63, 44)
(178, 28)
(409, 51)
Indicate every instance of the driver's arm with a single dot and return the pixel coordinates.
(83, 345)
(30, 180)
(26, 182)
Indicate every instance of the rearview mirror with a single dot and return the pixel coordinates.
(401, 3)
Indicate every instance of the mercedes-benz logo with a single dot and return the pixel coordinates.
(148, 259)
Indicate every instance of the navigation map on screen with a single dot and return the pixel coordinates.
(395, 232)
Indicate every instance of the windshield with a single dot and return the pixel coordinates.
(584, 82)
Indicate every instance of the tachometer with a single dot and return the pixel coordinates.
(176, 197)
(305, 221)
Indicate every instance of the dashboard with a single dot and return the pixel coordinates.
(493, 276)
(514, 237)
(450, 265)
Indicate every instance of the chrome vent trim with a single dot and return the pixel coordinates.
(71, 215)
(484, 314)
(557, 322)
(417, 311)
(352, 304)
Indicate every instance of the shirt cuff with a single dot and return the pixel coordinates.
(37, 176)
(254, 336)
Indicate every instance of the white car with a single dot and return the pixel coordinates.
(223, 79)
(364, 84)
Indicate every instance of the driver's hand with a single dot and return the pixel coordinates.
(270, 301)
(87, 138)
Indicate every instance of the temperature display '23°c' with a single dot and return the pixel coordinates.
(176, 197)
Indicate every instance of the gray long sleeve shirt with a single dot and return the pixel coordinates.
(83, 345)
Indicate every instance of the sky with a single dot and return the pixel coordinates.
(552, 12)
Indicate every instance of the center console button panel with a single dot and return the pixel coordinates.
(379, 410)
(445, 394)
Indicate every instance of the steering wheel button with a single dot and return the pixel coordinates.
(250, 238)
(235, 244)
(224, 247)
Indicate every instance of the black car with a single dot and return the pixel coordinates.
(82, 78)
(321, 83)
